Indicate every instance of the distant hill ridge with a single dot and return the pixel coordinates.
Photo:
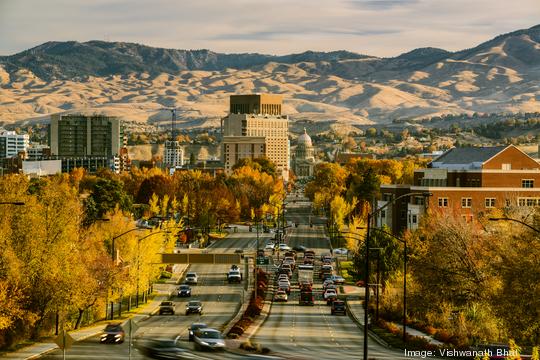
(342, 87)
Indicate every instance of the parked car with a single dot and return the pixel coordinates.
(193, 327)
(208, 339)
(166, 307)
(299, 248)
(191, 278)
(194, 307)
(338, 307)
(113, 333)
(340, 251)
(184, 291)
(270, 246)
(280, 296)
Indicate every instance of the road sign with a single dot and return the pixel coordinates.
(64, 340)
(263, 261)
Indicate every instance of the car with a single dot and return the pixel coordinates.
(284, 283)
(338, 280)
(309, 252)
(113, 333)
(306, 298)
(326, 283)
(208, 339)
(270, 246)
(281, 295)
(191, 278)
(338, 307)
(166, 307)
(234, 275)
(163, 349)
(285, 288)
(193, 327)
(340, 251)
(239, 251)
(299, 248)
(184, 291)
(330, 295)
(194, 307)
(284, 247)
(325, 255)
(283, 276)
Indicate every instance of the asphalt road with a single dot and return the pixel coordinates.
(220, 300)
(311, 332)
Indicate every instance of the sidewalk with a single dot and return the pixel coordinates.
(144, 312)
(356, 311)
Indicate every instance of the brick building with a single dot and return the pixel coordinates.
(469, 181)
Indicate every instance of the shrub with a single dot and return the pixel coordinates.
(165, 275)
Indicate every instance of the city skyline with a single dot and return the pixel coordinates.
(372, 27)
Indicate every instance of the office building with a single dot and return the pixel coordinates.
(90, 141)
(174, 155)
(468, 181)
(11, 144)
(254, 128)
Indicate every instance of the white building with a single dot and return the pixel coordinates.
(11, 143)
(174, 155)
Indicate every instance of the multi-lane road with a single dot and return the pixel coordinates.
(220, 300)
(309, 332)
(291, 330)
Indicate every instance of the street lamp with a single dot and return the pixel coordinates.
(370, 216)
(138, 265)
(515, 220)
(122, 234)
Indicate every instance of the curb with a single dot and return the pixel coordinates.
(371, 334)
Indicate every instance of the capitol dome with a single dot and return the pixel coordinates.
(304, 139)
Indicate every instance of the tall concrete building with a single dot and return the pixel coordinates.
(255, 128)
(85, 135)
(11, 144)
(174, 154)
(84, 138)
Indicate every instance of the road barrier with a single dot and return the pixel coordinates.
(193, 258)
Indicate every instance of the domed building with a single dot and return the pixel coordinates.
(303, 158)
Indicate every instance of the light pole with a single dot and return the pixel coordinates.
(122, 234)
(138, 264)
(516, 220)
(370, 217)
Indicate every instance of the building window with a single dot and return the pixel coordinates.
(383, 214)
(490, 202)
(527, 183)
(507, 202)
(414, 219)
(507, 166)
(467, 218)
(466, 202)
(443, 202)
(528, 201)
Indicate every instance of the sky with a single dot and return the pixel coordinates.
(373, 27)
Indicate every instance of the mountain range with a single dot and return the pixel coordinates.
(321, 89)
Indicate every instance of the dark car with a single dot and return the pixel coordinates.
(163, 349)
(166, 307)
(194, 327)
(194, 307)
(184, 291)
(338, 307)
(299, 248)
(113, 333)
(306, 298)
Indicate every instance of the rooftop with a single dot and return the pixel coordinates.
(466, 155)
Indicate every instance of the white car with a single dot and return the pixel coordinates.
(191, 278)
(330, 294)
(208, 339)
(269, 246)
(340, 251)
(284, 247)
(281, 295)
